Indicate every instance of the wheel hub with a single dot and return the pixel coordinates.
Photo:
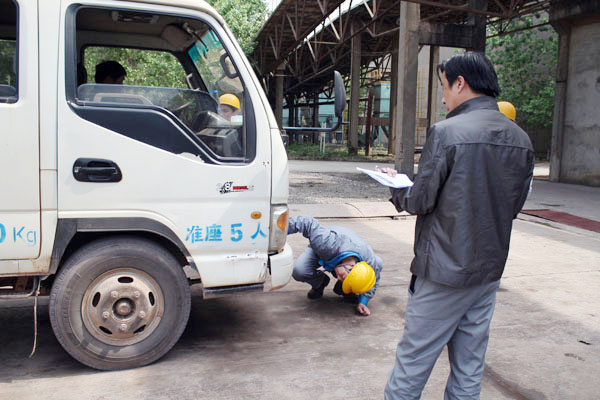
(122, 307)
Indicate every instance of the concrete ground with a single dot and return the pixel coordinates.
(545, 336)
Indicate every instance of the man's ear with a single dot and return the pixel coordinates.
(460, 83)
(463, 85)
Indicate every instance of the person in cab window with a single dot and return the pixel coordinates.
(110, 72)
(229, 105)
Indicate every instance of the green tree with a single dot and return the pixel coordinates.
(244, 18)
(526, 63)
(144, 67)
(7, 62)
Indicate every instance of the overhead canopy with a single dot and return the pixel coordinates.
(309, 39)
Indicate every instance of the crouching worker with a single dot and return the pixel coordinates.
(343, 254)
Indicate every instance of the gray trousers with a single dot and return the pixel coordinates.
(436, 316)
(305, 268)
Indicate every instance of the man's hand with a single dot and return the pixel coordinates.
(390, 171)
(363, 310)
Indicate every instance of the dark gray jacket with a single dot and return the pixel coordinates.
(473, 179)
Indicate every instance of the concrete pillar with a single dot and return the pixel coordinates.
(479, 22)
(393, 98)
(354, 93)
(560, 99)
(406, 103)
(432, 87)
(279, 96)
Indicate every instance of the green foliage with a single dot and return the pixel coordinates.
(7, 52)
(526, 63)
(307, 151)
(244, 18)
(144, 67)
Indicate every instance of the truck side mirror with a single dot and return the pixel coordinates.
(340, 94)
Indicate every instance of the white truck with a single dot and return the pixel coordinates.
(116, 197)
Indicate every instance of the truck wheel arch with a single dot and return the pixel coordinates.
(72, 233)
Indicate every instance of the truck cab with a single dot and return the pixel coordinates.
(117, 196)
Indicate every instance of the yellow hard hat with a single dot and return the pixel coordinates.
(230, 100)
(507, 109)
(360, 279)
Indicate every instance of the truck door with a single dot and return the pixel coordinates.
(154, 143)
(19, 135)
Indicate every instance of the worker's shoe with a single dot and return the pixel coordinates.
(337, 289)
(348, 298)
(317, 293)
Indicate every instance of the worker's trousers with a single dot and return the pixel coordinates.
(305, 268)
(436, 316)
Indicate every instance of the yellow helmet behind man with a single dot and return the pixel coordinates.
(360, 279)
(230, 100)
(507, 109)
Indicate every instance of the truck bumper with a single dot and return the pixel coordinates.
(281, 266)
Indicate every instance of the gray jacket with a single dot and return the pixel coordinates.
(474, 176)
(334, 243)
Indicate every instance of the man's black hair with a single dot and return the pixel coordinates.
(109, 68)
(477, 70)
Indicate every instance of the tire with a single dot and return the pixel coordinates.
(119, 303)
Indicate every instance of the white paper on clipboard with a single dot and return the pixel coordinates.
(399, 181)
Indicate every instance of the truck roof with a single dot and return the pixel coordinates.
(199, 5)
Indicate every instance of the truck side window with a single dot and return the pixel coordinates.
(174, 65)
(143, 67)
(8, 51)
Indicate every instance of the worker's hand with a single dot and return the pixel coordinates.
(363, 310)
(390, 171)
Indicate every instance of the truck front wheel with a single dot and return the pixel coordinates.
(119, 303)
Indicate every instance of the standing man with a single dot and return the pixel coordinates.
(341, 252)
(473, 179)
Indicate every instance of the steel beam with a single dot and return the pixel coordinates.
(478, 21)
(279, 95)
(446, 35)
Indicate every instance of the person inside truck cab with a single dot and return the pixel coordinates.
(110, 72)
(342, 253)
(229, 105)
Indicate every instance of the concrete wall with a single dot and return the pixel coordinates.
(580, 162)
